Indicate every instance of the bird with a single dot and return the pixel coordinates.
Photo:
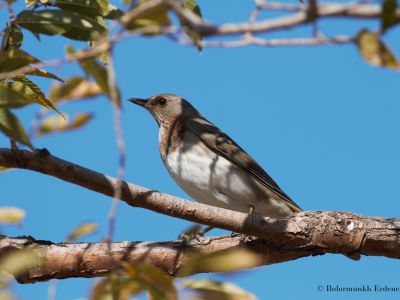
(210, 166)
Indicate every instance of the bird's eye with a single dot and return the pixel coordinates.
(162, 101)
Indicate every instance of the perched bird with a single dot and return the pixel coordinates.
(208, 165)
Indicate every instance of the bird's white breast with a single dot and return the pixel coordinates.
(211, 179)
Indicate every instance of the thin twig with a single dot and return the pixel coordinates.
(37, 120)
(52, 290)
(116, 108)
(11, 15)
(89, 52)
(248, 41)
(279, 6)
(197, 25)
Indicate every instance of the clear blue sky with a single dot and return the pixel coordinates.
(322, 122)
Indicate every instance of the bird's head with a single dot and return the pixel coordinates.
(167, 107)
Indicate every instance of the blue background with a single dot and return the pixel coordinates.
(320, 120)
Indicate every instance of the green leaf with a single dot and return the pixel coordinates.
(14, 59)
(37, 95)
(194, 8)
(84, 7)
(91, 8)
(75, 88)
(57, 123)
(158, 284)
(82, 230)
(15, 94)
(139, 17)
(11, 215)
(227, 260)
(14, 38)
(12, 127)
(99, 74)
(388, 16)
(214, 290)
(375, 51)
(57, 22)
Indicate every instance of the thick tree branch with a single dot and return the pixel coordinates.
(66, 260)
(336, 232)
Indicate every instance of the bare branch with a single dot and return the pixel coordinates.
(101, 46)
(66, 260)
(251, 40)
(304, 14)
(336, 232)
(326, 10)
(116, 108)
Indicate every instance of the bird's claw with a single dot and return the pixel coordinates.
(244, 238)
(191, 237)
(195, 236)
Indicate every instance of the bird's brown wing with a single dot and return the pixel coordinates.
(222, 144)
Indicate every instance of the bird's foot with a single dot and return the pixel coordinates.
(194, 236)
(244, 238)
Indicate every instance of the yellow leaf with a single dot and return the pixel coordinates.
(158, 284)
(12, 127)
(227, 260)
(214, 290)
(11, 215)
(115, 287)
(44, 73)
(75, 88)
(4, 169)
(6, 295)
(56, 123)
(375, 51)
(19, 261)
(82, 230)
(80, 120)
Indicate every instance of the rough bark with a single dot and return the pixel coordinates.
(66, 260)
(306, 233)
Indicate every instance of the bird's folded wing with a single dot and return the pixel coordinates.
(222, 144)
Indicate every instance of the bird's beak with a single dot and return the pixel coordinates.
(138, 101)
